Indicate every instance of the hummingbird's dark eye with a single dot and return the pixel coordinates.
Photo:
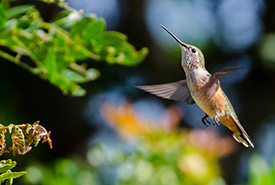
(193, 50)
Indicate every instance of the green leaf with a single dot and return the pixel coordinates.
(3, 14)
(66, 18)
(87, 29)
(11, 175)
(50, 64)
(89, 75)
(6, 165)
(17, 10)
(68, 87)
(113, 46)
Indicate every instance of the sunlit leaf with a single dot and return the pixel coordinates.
(5, 171)
(50, 65)
(113, 46)
(3, 14)
(17, 10)
(6, 165)
(90, 74)
(87, 29)
(11, 175)
(68, 87)
(66, 18)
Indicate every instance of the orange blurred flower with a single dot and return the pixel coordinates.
(124, 119)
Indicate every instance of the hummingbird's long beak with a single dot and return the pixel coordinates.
(174, 36)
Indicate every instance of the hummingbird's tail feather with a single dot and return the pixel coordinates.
(243, 137)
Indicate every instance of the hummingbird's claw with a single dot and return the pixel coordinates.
(216, 121)
(204, 120)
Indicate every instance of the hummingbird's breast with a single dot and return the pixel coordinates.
(213, 106)
(197, 80)
(217, 105)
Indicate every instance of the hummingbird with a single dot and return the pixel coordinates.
(204, 89)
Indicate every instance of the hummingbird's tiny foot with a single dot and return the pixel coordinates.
(204, 120)
(216, 120)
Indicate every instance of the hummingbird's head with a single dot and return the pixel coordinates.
(192, 56)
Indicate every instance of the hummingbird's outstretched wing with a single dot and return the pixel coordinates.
(214, 83)
(226, 71)
(172, 91)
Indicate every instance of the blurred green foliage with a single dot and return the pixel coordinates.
(55, 50)
(260, 172)
(158, 158)
(162, 158)
(64, 171)
(266, 51)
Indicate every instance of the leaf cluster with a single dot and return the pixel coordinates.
(69, 171)
(55, 51)
(5, 171)
(22, 137)
(162, 158)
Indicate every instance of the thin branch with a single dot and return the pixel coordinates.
(16, 61)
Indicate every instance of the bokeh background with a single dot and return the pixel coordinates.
(108, 128)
